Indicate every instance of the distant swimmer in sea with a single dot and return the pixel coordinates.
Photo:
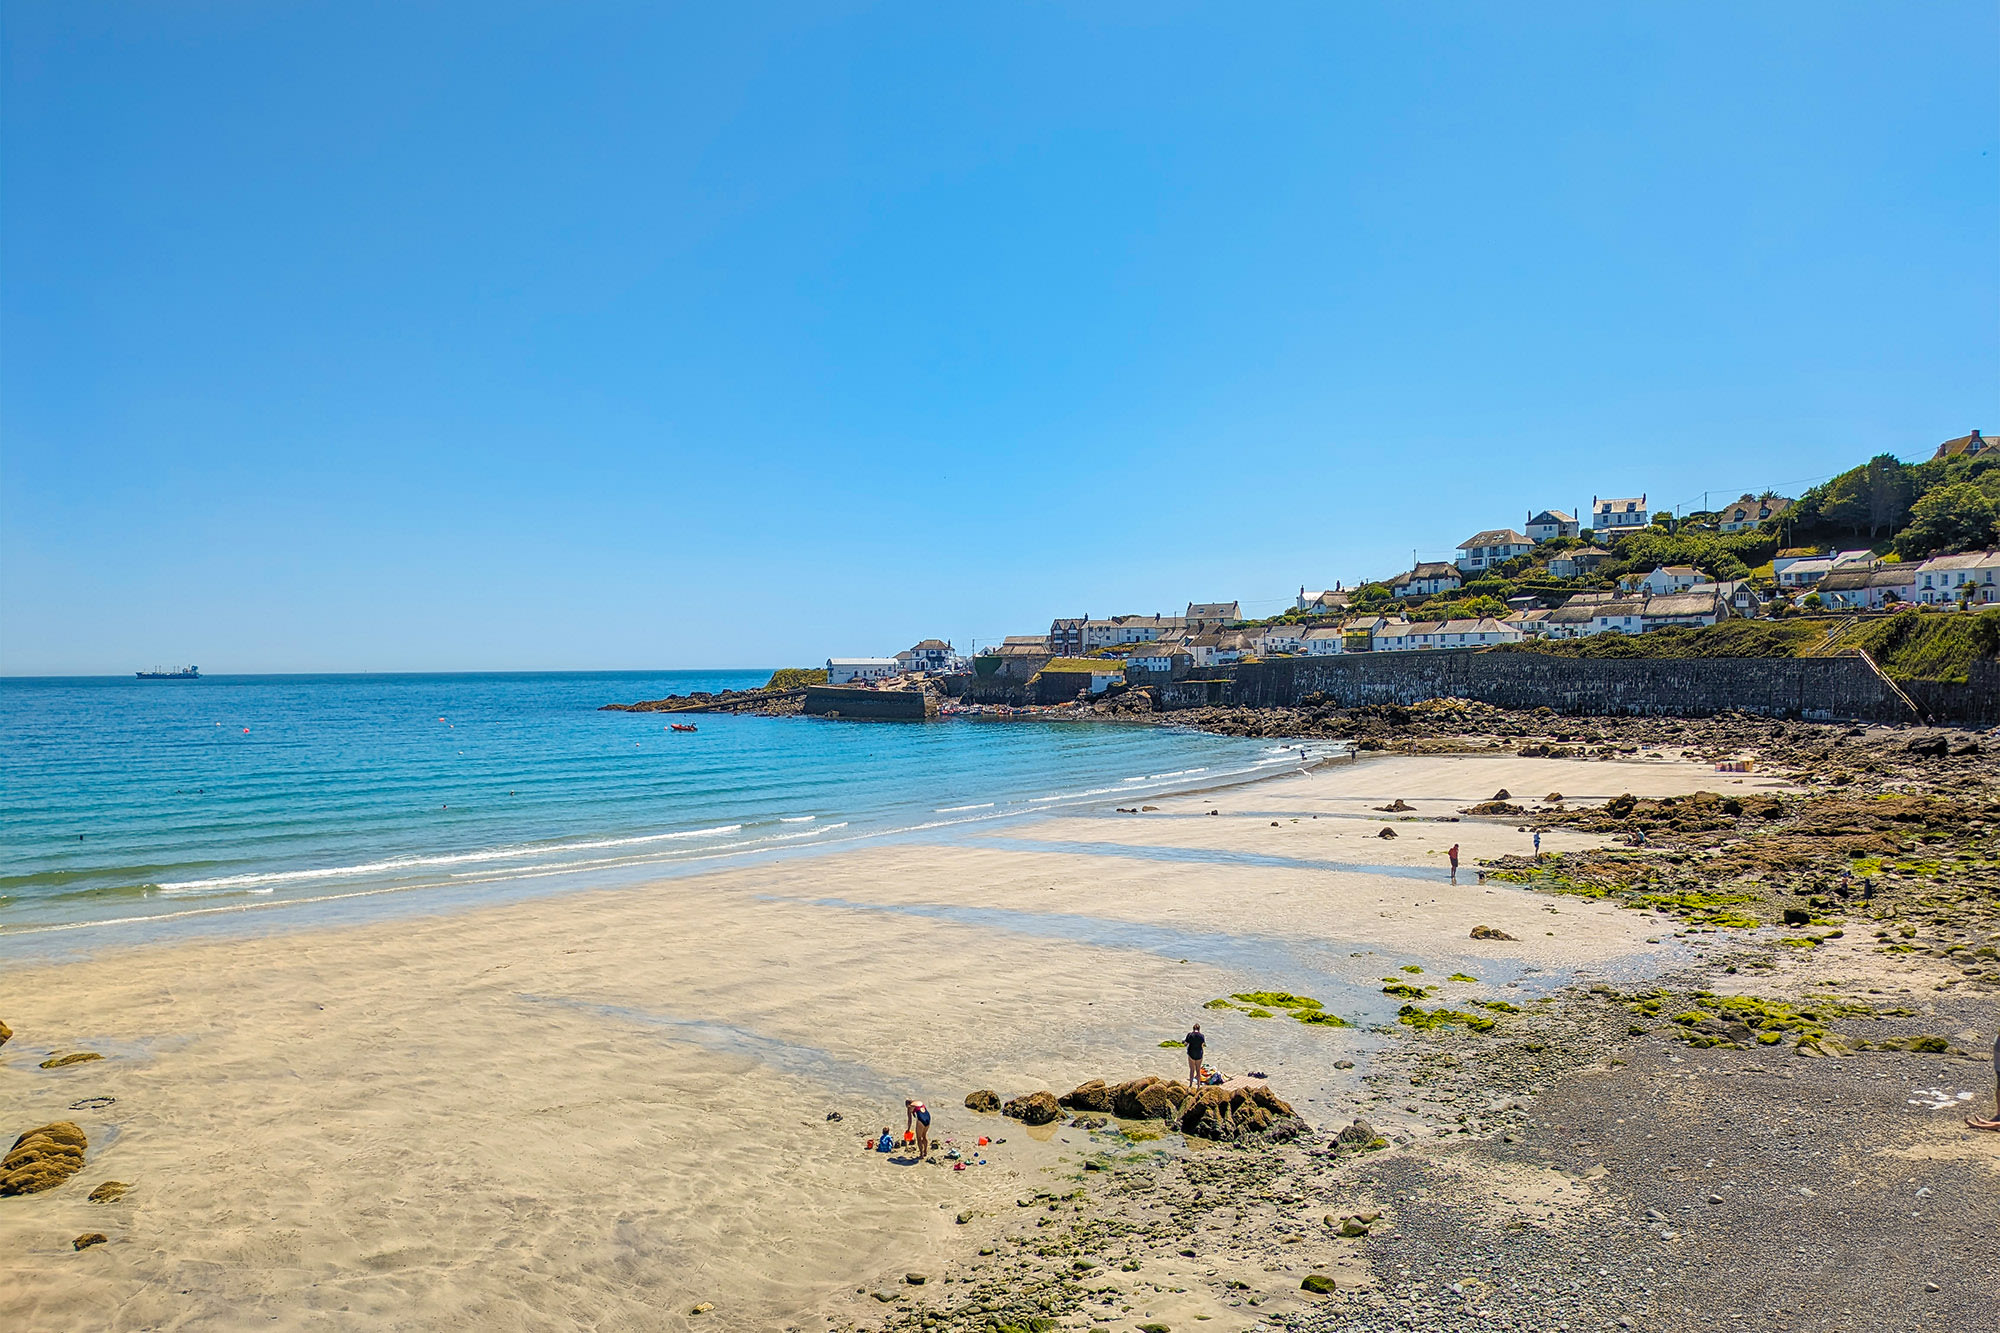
(918, 1116)
(1994, 1123)
(1196, 1044)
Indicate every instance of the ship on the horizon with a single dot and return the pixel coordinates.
(180, 673)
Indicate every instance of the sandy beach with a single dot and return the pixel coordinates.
(609, 1108)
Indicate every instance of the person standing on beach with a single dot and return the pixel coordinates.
(1452, 852)
(1196, 1044)
(1538, 844)
(918, 1116)
(1994, 1123)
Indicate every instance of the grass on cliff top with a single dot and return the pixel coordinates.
(1912, 645)
(792, 678)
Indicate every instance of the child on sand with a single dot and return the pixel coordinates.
(887, 1143)
(917, 1115)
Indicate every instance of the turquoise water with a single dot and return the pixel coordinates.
(136, 805)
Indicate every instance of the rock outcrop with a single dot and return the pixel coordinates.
(983, 1100)
(1036, 1108)
(88, 1239)
(1239, 1114)
(1150, 1098)
(43, 1158)
(1489, 933)
(109, 1192)
(1092, 1096)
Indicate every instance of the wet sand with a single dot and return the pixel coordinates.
(607, 1108)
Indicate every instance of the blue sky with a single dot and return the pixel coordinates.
(350, 337)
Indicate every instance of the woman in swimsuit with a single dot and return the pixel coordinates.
(917, 1115)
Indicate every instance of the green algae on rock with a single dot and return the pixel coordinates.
(74, 1058)
(43, 1158)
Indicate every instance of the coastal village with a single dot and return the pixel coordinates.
(1621, 567)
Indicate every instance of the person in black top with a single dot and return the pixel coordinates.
(1194, 1042)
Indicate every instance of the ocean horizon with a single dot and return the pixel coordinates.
(130, 809)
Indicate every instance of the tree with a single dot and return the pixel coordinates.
(1949, 518)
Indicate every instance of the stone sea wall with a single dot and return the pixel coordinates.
(1808, 687)
(875, 705)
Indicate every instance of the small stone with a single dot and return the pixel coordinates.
(916, 1279)
(703, 1308)
(1715, 1198)
(1352, 1228)
(88, 1239)
(886, 1297)
(1928, 1286)
(834, 1115)
(965, 1217)
(1317, 1283)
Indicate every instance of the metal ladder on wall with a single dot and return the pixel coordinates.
(1894, 688)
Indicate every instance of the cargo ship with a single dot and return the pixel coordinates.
(182, 673)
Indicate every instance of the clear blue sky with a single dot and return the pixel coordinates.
(353, 337)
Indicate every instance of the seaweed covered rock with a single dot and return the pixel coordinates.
(1240, 1114)
(983, 1100)
(1489, 933)
(73, 1058)
(88, 1239)
(1150, 1098)
(1036, 1108)
(109, 1192)
(43, 1158)
(1092, 1096)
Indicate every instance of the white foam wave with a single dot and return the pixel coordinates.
(954, 809)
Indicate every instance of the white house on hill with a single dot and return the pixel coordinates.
(1611, 518)
(1426, 580)
(1483, 550)
(1551, 524)
(847, 670)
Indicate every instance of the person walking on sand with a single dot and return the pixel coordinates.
(1452, 852)
(1196, 1044)
(1994, 1123)
(918, 1116)
(1538, 844)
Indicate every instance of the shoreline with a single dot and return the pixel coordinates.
(622, 1094)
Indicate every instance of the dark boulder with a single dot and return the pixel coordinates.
(983, 1100)
(1036, 1108)
(1092, 1096)
(1150, 1098)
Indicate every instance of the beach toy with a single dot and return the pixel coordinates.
(982, 1141)
(909, 1137)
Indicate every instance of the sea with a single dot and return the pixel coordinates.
(133, 810)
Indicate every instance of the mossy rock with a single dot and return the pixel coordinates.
(74, 1058)
(43, 1158)
(1319, 1284)
(109, 1192)
(983, 1100)
(88, 1239)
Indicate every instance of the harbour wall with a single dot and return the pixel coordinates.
(872, 705)
(1803, 687)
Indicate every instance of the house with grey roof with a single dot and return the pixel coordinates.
(1483, 550)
